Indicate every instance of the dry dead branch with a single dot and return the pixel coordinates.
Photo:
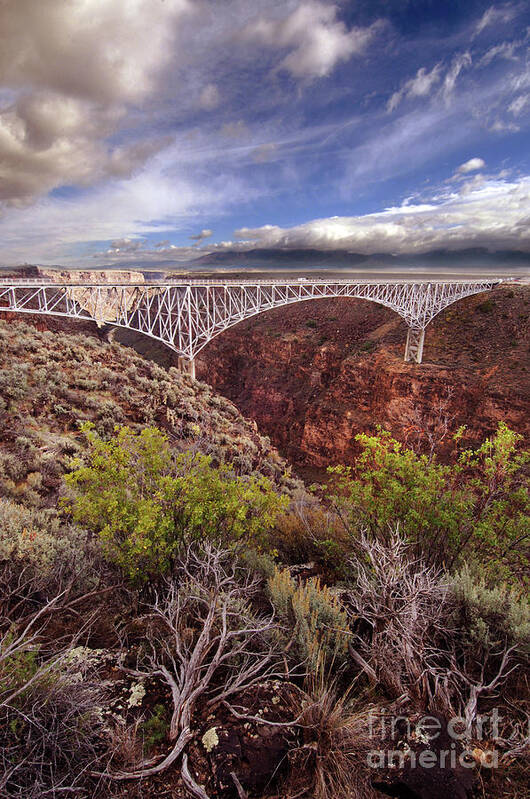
(404, 641)
(206, 644)
(477, 688)
(195, 789)
(397, 605)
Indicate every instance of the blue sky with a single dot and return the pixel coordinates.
(154, 131)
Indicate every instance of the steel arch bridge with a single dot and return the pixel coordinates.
(185, 316)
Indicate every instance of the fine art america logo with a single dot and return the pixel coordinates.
(431, 742)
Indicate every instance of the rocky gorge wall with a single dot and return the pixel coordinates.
(314, 374)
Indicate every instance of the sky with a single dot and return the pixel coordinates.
(151, 132)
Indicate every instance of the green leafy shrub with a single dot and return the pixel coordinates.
(476, 505)
(144, 500)
(391, 484)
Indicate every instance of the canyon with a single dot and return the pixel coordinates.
(315, 374)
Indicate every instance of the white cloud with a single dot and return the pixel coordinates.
(94, 49)
(484, 212)
(459, 63)
(204, 234)
(48, 140)
(493, 213)
(412, 138)
(500, 126)
(125, 245)
(158, 199)
(93, 84)
(504, 50)
(418, 86)
(316, 40)
(425, 133)
(209, 97)
(518, 105)
(71, 69)
(471, 185)
(423, 82)
(471, 166)
(49, 229)
(494, 16)
(143, 256)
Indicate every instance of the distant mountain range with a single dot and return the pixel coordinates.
(264, 260)
(340, 259)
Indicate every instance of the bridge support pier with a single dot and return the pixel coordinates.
(414, 346)
(109, 332)
(187, 366)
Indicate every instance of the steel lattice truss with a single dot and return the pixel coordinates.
(186, 316)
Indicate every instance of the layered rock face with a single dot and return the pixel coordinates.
(315, 374)
(77, 276)
(103, 306)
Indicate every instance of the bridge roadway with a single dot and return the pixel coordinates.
(186, 314)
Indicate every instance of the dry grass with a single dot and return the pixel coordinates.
(332, 760)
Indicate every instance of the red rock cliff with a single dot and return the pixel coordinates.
(315, 374)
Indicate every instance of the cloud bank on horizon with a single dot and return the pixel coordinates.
(157, 131)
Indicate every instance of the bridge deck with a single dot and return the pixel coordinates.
(21, 283)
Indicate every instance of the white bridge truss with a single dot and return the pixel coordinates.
(186, 316)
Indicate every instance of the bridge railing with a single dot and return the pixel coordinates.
(22, 282)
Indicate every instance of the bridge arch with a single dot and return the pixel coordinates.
(235, 322)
